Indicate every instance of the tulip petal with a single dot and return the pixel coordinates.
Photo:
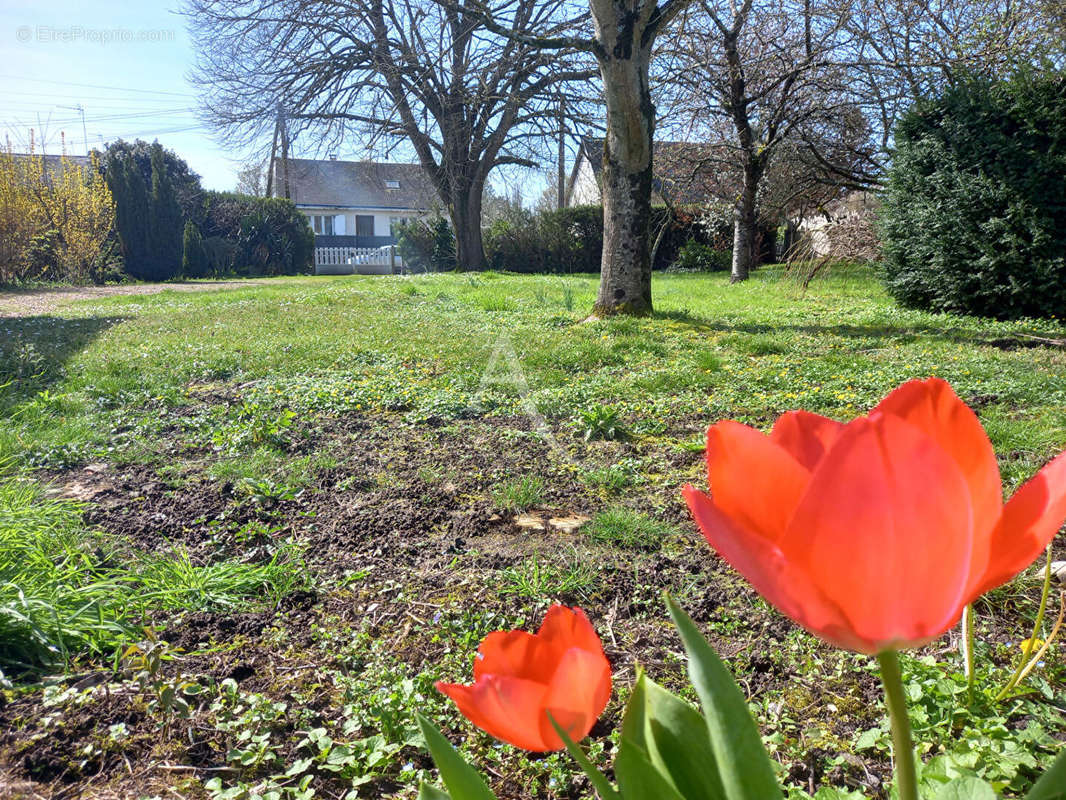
(577, 695)
(933, 406)
(807, 437)
(886, 532)
(753, 480)
(760, 561)
(507, 708)
(536, 657)
(516, 653)
(569, 627)
(1030, 520)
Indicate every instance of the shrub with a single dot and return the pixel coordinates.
(426, 245)
(566, 240)
(219, 254)
(570, 240)
(256, 235)
(55, 219)
(193, 258)
(443, 245)
(697, 257)
(974, 215)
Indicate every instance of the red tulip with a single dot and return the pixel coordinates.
(520, 676)
(874, 535)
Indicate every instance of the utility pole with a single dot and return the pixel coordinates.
(273, 153)
(562, 151)
(84, 135)
(284, 130)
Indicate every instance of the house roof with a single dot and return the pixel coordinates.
(356, 184)
(686, 172)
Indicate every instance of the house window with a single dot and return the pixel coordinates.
(323, 224)
(392, 184)
(394, 224)
(364, 225)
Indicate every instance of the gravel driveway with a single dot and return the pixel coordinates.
(46, 301)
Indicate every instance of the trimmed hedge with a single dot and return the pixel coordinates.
(974, 214)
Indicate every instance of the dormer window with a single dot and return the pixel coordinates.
(392, 184)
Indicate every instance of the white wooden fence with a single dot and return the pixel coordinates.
(357, 260)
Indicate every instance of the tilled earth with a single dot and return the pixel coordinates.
(405, 544)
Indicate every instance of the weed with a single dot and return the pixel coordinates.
(537, 579)
(66, 590)
(613, 477)
(568, 297)
(708, 360)
(601, 422)
(624, 528)
(518, 495)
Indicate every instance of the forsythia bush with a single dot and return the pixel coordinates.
(55, 219)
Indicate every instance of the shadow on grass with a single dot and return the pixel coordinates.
(34, 352)
(892, 332)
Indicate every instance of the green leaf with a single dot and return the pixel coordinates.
(743, 765)
(674, 738)
(298, 767)
(599, 781)
(1052, 784)
(427, 792)
(462, 780)
(966, 789)
(637, 776)
(830, 793)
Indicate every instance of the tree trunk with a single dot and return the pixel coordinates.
(745, 227)
(465, 212)
(625, 268)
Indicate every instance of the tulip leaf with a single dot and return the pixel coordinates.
(743, 765)
(1052, 784)
(427, 792)
(638, 778)
(462, 780)
(598, 780)
(673, 736)
(968, 788)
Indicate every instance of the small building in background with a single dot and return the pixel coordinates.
(355, 203)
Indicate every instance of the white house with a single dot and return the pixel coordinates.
(355, 203)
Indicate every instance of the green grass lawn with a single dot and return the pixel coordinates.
(324, 471)
(99, 379)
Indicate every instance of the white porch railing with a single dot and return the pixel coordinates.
(357, 260)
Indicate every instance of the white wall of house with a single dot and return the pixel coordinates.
(345, 222)
(585, 190)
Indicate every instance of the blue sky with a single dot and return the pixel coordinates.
(125, 63)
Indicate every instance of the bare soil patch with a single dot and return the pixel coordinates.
(398, 534)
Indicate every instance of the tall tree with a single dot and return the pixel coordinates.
(904, 50)
(164, 221)
(424, 75)
(763, 82)
(130, 191)
(623, 35)
(186, 183)
(625, 32)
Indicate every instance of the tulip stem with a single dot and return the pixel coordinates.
(967, 651)
(902, 745)
(1027, 650)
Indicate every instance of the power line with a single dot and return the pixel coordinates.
(64, 96)
(96, 86)
(142, 134)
